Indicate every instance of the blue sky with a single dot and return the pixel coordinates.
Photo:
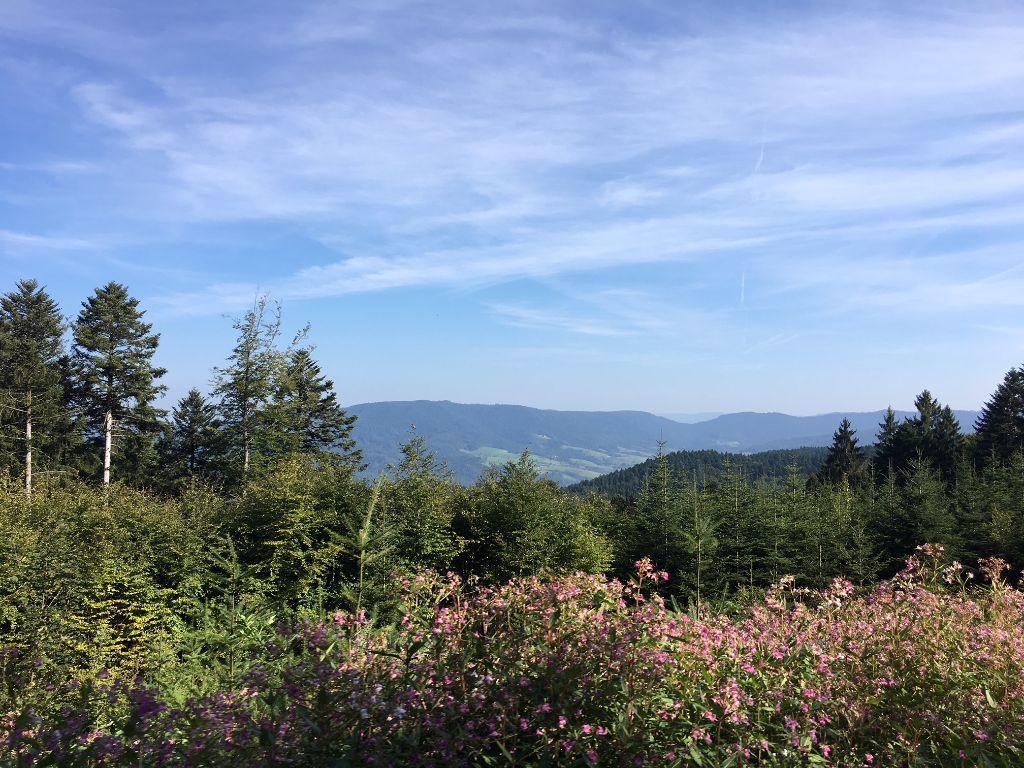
(665, 206)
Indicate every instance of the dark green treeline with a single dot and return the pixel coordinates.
(707, 465)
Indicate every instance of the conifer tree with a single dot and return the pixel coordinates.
(999, 429)
(990, 510)
(658, 535)
(113, 354)
(784, 525)
(799, 527)
(822, 538)
(305, 415)
(946, 445)
(934, 435)
(845, 461)
(192, 439)
(888, 523)
(927, 508)
(888, 448)
(763, 521)
(731, 502)
(856, 556)
(31, 350)
(700, 535)
(8, 421)
(245, 385)
(972, 499)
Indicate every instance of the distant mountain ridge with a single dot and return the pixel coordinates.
(691, 418)
(571, 446)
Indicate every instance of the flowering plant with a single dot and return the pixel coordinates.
(581, 670)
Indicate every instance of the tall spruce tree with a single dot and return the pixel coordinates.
(305, 415)
(946, 445)
(999, 429)
(845, 461)
(888, 448)
(113, 355)
(191, 444)
(31, 351)
(245, 385)
(934, 436)
(657, 531)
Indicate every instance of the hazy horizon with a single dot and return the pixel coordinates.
(565, 205)
(703, 416)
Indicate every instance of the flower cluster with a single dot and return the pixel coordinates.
(585, 671)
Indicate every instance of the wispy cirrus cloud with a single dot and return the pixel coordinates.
(33, 241)
(851, 163)
(545, 319)
(510, 147)
(479, 120)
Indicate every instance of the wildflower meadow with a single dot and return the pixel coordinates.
(924, 669)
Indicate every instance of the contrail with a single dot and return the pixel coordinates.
(760, 159)
(743, 287)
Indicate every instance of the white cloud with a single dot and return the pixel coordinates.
(547, 319)
(894, 190)
(12, 241)
(480, 148)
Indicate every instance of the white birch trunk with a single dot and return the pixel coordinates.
(108, 429)
(28, 446)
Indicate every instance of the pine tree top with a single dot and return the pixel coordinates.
(113, 353)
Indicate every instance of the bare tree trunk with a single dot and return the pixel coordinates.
(108, 429)
(28, 446)
(245, 454)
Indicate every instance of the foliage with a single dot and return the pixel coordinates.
(420, 500)
(35, 422)
(845, 461)
(286, 526)
(242, 595)
(706, 467)
(92, 584)
(305, 416)
(924, 670)
(519, 523)
(1000, 427)
(193, 442)
(116, 379)
(245, 385)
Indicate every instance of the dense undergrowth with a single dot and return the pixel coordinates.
(923, 669)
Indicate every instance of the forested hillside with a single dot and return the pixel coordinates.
(567, 445)
(754, 432)
(704, 466)
(571, 446)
